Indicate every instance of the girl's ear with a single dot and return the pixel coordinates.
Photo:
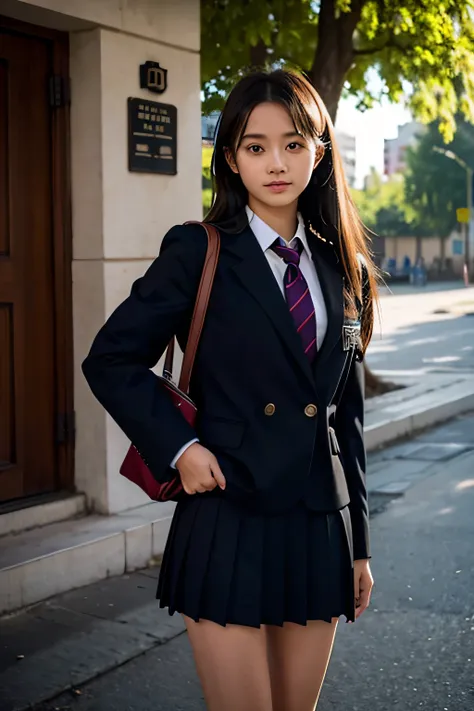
(320, 151)
(230, 160)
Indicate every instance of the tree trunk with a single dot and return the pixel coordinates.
(258, 55)
(418, 249)
(334, 52)
(442, 256)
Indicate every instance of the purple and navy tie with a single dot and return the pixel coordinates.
(298, 296)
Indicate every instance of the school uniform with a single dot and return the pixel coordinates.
(278, 544)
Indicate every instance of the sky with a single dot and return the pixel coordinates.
(370, 128)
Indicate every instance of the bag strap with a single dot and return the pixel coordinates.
(199, 313)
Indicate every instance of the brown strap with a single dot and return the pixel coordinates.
(200, 308)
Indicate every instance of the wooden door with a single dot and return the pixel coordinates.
(32, 277)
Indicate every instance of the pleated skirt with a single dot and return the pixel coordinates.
(231, 566)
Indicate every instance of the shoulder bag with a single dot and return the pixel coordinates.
(134, 467)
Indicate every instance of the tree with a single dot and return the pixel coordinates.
(424, 44)
(434, 185)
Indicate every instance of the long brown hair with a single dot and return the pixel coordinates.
(326, 203)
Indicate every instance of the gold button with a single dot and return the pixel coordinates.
(310, 410)
(270, 408)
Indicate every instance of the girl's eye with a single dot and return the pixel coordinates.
(255, 149)
(294, 145)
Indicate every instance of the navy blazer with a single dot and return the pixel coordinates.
(283, 430)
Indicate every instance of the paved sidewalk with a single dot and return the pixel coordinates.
(112, 649)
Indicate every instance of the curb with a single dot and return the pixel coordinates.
(380, 434)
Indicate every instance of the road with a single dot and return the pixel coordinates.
(424, 330)
(412, 649)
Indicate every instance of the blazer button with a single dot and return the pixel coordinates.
(270, 408)
(310, 410)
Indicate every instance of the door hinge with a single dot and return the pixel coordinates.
(59, 91)
(65, 427)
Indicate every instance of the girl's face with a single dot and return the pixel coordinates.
(274, 162)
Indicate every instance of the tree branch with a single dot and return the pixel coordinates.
(374, 50)
(367, 52)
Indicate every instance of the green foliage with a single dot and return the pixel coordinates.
(435, 185)
(206, 200)
(424, 44)
(383, 207)
(206, 166)
(206, 178)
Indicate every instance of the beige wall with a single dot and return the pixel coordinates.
(172, 23)
(399, 247)
(118, 217)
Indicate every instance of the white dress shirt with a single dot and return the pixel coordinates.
(266, 236)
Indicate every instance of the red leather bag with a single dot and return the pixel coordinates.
(133, 466)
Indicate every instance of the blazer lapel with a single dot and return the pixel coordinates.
(330, 278)
(256, 275)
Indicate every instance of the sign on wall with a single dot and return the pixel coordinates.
(153, 77)
(152, 137)
(462, 214)
(458, 246)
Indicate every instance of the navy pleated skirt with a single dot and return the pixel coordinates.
(225, 564)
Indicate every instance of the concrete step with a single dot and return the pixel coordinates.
(40, 511)
(46, 561)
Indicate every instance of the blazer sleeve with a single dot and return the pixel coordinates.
(350, 431)
(133, 339)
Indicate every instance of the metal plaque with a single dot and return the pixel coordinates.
(152, 137)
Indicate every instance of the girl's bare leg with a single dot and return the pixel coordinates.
(232, 665)
(298, 659)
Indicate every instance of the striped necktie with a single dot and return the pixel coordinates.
(298, 296)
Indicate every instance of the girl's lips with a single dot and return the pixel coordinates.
(278, 187)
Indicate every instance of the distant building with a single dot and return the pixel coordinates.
(394, 152)
(209, 125)
(347, 148)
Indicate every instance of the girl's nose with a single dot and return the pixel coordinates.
(277, 164)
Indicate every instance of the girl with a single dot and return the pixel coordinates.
(270, 544)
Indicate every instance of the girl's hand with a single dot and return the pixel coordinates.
(199, 470)
(363, 583)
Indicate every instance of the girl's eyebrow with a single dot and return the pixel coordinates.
(260, 136)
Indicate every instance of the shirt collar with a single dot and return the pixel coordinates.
(266, 235)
